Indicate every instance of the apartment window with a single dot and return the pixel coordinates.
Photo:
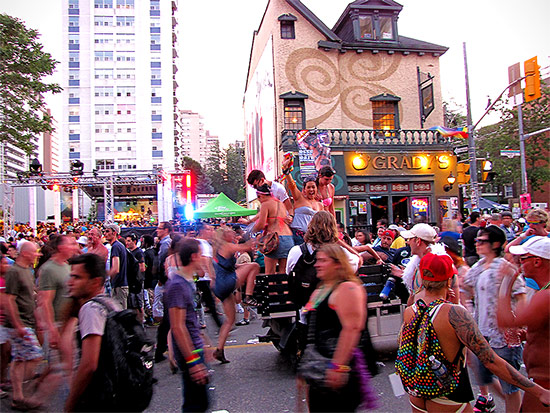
(125, 109)
(74, 57)
(126, 21)
(125, 74)
(104, 39)
(73, 21)
(125, 91)
(104, 109)
(74, 39)
(155, 21)
(103, 164)
(103, 56)
(125, 57)
(368, 28)
(124, 4)
(155, 5)
(155, 39)
(508, 191)
(74, 110)
(73, 4)
(103, 73)
(385, 112)
(74, 74)
(106, 21)
(104, 91)
(103, 4)
(155, 92)
(74, 92)
(155, 73)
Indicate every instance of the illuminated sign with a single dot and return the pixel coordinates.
(420, 204)
(400, 161)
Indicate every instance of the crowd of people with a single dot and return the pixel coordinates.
(484, 284)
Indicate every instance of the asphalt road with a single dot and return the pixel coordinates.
(258, 379)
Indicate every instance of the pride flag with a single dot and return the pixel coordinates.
(458, 132)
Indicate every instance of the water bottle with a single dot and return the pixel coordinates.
(390, 283)
(441, 373)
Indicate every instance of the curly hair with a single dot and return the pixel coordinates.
(337, 254)
(322, 229)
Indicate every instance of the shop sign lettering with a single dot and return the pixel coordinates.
(407, 162)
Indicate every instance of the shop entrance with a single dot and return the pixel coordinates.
(379, 208)
(400, 209)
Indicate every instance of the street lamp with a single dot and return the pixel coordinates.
(451, 179)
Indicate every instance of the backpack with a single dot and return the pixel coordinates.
(417, 343)
(303, 280)
(123, 381)
(133, 275)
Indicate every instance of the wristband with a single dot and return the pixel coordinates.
(193, 362)
(197, 351)
(339, 368)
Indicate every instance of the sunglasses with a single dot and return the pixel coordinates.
(482, 240)
(521, 259)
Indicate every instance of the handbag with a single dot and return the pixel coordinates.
(313, 365)
(268, 242)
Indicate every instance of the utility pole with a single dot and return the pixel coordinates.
(471, 143)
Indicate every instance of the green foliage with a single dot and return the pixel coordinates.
(23, 64)
(226, 171)
(203, 185)
(504, 135)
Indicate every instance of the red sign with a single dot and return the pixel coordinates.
(525, 200)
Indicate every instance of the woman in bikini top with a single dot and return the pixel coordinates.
(325, 189)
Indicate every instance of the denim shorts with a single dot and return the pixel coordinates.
(513, 355)
(286, 242)
(26, 348)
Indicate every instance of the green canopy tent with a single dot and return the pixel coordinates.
(221, 207)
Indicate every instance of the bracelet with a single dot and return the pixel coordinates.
(197, 351)
(339, 368)
(193, 362)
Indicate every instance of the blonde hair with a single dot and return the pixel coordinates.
(337, 254)
(537, 215)
(322, 229)
(218, 240)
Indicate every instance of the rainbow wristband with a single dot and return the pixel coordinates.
(339, 368)
(197, 351)
(192, 359)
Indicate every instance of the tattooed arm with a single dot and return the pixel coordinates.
(468, 333)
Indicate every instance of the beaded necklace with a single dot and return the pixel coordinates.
(319, 297)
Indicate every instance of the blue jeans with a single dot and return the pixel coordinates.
(195, 396)
(513, 355)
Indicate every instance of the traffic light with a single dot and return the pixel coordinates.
(532, 79)
(462, 175)
(487, 174)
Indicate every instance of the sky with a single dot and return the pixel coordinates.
(215, 40)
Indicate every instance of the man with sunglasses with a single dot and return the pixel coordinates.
(481, 285)
(534, 257)
(537, 220)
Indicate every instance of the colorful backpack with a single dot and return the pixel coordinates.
(418, 342)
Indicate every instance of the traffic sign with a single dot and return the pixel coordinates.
(509, 153)
(462, 149)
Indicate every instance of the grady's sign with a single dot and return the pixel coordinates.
(362, 162)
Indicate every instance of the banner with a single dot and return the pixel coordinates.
(313, 150)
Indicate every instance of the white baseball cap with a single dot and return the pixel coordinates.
(422, 231)
(536, 245)
(82, 240)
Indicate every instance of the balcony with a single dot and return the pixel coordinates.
(352, 139)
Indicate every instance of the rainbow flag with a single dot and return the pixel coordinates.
(458, 132)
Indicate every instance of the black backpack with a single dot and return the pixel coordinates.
(303, 280)
(133, 276)
(123, 381)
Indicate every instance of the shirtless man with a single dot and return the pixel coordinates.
(455, 329)
(534, 256)
(96, 247)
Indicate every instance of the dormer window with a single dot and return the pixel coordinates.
(287, 26)
(375, 27)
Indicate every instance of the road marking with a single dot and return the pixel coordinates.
(248, 345)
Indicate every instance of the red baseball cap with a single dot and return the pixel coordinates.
(440, 267)
(388, 233)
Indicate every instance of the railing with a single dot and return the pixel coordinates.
(367, 138)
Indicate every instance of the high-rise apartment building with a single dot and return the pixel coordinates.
(193, 140)
(118, 67)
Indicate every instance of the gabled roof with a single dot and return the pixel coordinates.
(313, 19)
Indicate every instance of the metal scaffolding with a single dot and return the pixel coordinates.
(87, 182)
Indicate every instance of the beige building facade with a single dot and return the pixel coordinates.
(374, 91)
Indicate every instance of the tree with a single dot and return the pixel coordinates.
(203, 184)
(214, 169)
(504, 135)
(234, 176)
(23, 64)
